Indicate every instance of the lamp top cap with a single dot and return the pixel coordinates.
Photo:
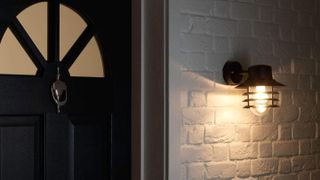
(259, 75)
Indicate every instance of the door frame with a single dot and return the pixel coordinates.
(149, 90)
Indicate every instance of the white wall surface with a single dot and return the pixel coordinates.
(211, 135)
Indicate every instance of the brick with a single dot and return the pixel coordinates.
(266, 14)
(195, 134)
(315, 146)
(220, 152)
(243, 133)
(286, 49)
(305, 19)
(240, 151)
(286, 17)
(243, 169)
(194, 116)
(266, 30)
(198, 24)
(221, 99)
(286, 33)
(284, 166)
(304, 176)
(285, 4)
(220, 170)
(221, 9)
(304, 98)
(196, 42)
(190, 153)
(264, 48)
(196, 171)
(303, 163)
(304, 82)
(264, 132)
(200, 7)
(264, 167)
(304, 130)
(285, 132)
(245, 29)
(267, 2)
(305, 147)
(306, 35)
(221, 44)
(193, 61)
(305, 6)
(243, 44)
(217, 134)
(234, 115)
(286, 177)
(183, 135)
(197, 80)
(223, 27)
(265, 149)
(315, 175)
(304, 66)
(289, 148)
(244, 11)
(183, 172)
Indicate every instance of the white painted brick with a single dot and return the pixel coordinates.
(183, 172)
(221, 44)
(195, 134)
(304, 147)
(216, 134)
(315, 175)
(184, 99)
(286, 49)
(306, 35)
(196, 171)
(266, 30)
(304, 66)
(197, 99)
(304, 82)
(245, 29)
(315, 146)
(264, 132)
(241, 151)
(305, 19)
(267, 2)
(307, 98)
(291, 82)
(309, 112)
(286, 177)
(201, 7)
(299, 130)
(196, 42)
(305, 51)
(197, 116)
(303, 163)
(304, 176)
(306, 5)
(243, 169)
(197, 80)
(244, 11)
(286, 33)
(286, 17)
(243, 133)
(266, 14)
(284, 166)
(185, 25)
(285, 4)
(220, 152)
(285, 132)
(220, 170)
(243, 44)
(318, 161)
(264, 47)
(221, 99)
(183, 135)
(223, 27)
(193, 61)
(190, 153)
(221, 8)
(316, 82)
(264, 167)
(289, 148)
(198, 25)
(215, 62)
(235, 115)
(265, 149)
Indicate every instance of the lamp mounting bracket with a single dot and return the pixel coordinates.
(232, 72)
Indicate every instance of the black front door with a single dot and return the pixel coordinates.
(87, 136)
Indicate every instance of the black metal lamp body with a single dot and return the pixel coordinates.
(260, 95)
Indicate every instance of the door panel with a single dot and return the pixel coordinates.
(77, 147)
(20, 147)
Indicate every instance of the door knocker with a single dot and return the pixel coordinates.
(59, 91)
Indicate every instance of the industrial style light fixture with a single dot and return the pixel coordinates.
(257, 81)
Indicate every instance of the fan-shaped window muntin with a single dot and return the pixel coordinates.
(24, 47)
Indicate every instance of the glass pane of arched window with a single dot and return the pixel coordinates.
(89, 62)
(13, 58)
(34, 20)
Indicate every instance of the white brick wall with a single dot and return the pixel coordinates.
(221, 140)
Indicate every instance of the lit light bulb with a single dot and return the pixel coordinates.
(260, 102)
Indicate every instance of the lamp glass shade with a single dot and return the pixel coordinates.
(260, 99)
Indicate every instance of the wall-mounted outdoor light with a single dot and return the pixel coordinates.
(257, 81)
